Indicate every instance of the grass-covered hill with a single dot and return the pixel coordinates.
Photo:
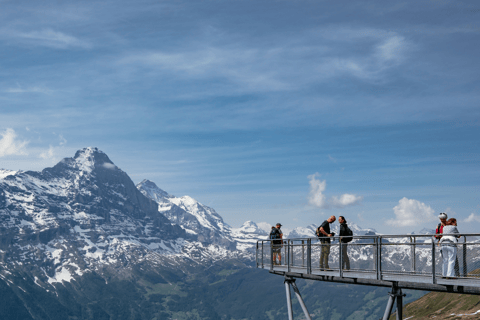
(439, 306)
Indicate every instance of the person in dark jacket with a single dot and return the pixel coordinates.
(323, 232)
(343, 232)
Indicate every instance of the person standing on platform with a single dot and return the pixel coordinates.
(443, 222)
(438, 231)
(345, 238)
(449, 248)
(323, 232)
(276, 235)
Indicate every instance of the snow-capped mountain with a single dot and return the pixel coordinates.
(303, 232)
(195, 218)
(4, 173)
(248, 234)
(86, 214)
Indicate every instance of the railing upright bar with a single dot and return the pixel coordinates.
(414, 260)
(271, 255)
(341, 258)
(256, 256)
(464, 247)
(303, 253)
(309, 256)
(262, 254)
(288, 255)
(434, 279)
(292, 253)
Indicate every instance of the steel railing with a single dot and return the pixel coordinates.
(401, 257)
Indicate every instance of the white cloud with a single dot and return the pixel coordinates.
(63, 141)
(318, 199)
(19, 89)
(391, 49)
(9, 145)
(49, 38)
(317, 187)
(472, 218)
(109, 166)
(345, 200)
(48, 154)
(411, 212)
(332, 159)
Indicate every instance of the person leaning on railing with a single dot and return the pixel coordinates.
(449, 248)
(438, 231)
(323, 232)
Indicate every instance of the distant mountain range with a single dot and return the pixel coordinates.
(83, 224)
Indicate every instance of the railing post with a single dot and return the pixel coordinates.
(303, 253)
(309, 256)
(379, 258)
(341, 257)
(256, 256)
(375, 254)
(292, 253)
(434, 279)
(271, 255)
(288, 255)
(464, 247)
(262, 254)
(414, 247)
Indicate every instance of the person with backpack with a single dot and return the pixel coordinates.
(276, 236)
(346, 235)
(324, 234)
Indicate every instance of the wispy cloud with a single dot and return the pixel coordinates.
(48, 38)
(10, 145)
(318, 199)
(472, 218)
(48, 154)
(35, 89)
(411, 212)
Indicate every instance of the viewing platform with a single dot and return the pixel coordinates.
(397, 261)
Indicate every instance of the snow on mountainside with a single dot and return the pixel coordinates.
(247, 235)
(194, 217)
(4, 173)
(86, 214)
(301, 232)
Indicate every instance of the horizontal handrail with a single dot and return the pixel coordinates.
(405, 257)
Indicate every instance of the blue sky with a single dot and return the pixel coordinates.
(271, 111)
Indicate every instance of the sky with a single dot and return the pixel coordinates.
(270, 111)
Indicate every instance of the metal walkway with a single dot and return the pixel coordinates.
(397, 261)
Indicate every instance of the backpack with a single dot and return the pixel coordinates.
(318, 233)
(274, 234)
(349, 236)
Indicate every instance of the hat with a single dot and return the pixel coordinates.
(279, 224)
(442, 216)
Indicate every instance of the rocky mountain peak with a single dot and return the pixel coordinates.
(152, 191)
(89, 158)
(250, 227)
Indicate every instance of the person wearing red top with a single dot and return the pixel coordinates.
(443, 222)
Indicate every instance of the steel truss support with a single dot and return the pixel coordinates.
(290, 281)
(396, 294)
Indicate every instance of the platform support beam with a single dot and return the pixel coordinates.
(289, 299)
(397, 295)
(290, 281)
